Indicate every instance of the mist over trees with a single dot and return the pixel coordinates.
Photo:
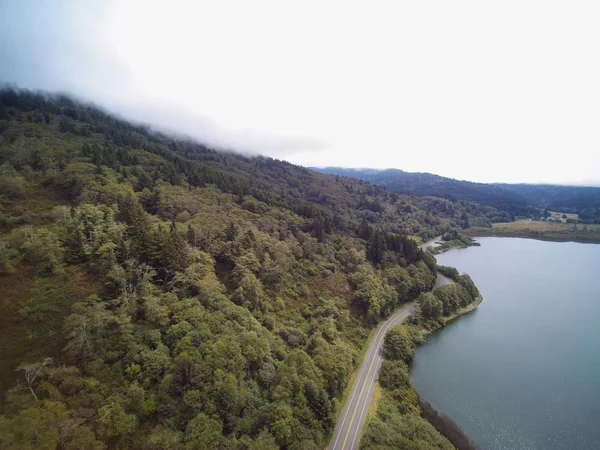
(161, 294)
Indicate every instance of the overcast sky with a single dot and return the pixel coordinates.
(477, 90)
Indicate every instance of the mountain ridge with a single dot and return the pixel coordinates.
(518, 199)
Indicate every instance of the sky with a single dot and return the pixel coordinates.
(483, 91)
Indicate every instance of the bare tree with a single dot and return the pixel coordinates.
(31, 372)
(79, 331)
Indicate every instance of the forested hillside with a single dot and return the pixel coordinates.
(508, 201)
(157, 294)
(504, 206)
(581, 200)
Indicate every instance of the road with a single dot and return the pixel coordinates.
(431, 244)
(348, 429)
(441, 280)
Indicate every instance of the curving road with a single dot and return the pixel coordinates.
(433, 243)
(346, 435)
(441, 280)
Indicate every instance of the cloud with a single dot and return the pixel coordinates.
(481, 91)
(64, 47)
(175, 118)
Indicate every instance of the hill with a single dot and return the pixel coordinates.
(511, 200)
(507, 204)
(581, 200)
(159, 294)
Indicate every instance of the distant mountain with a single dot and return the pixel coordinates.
(582, 200)
(427, 184)
(516, 200)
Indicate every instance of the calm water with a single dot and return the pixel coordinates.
(523, 370)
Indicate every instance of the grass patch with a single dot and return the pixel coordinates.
(36, 202)
(540, 225)
(559, 215)
(377, 393)
(417, 239)
(532, 225)
(33, 312)
(542, 230)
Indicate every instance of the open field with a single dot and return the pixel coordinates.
(534, 225)
(559, 215)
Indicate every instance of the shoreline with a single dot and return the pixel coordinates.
(446, 426)
(461, 312)
(452, 317)
(441, 422)
(532, 235)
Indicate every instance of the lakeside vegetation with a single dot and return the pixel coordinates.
(398, 422)
(444, 302)
(403, 420)
(159, 294)
(453, 239)
(541, 230)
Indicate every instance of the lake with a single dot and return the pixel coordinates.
(523, 370)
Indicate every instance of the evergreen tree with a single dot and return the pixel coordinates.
(376, 247)
(364, 230)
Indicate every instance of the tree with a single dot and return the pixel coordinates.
(145, 241)
(431, 306)
(114, 421)
(281, 423)
(231, 232)
(83, 438)
(40, 247)
(410, 250)
(264, 441)
(466, 282)
(376, 247)
(155, 363)
(250, 293)
(11, 185)
(5, 266)
(43, 426)
(364, 230)
(393, 375)
(203, 433)
(174, 252)
(319, 403)
(164, 439)
(398, 344)
(450, 272)
(30, 372)
(318, 228)
(84, 327)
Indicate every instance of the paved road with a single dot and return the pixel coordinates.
(441, 280)
(431, 244)
(352, 418)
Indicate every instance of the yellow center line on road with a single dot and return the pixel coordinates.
(362, 390)
(392, 323)
(375, 338)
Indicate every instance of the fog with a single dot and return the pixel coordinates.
(473, 90)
